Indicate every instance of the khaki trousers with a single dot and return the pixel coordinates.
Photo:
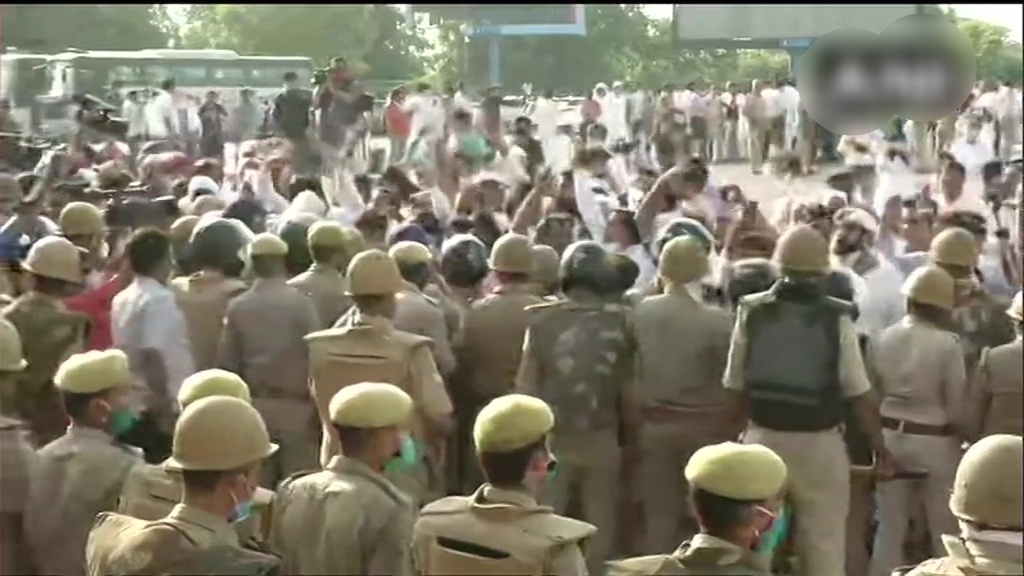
(818, 487)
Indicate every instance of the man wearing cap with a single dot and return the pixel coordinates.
(544, 275)
(733, 490)
(17, 459)
(797, 404)
(263, 341)
(987, 503)
(368, 518)
(500, 528)
(993, 401)
(49, 333)
(81, 473)
(416, 312)
(682, 345)
(331, 247)
(220, 444)
(490, 349)
(579, 355)
(368, 348)
(918, 368)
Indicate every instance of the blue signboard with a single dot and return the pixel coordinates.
(797, 43)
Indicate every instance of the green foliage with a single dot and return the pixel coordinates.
(55, 27)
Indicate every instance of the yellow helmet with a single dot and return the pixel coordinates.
(802, 249)
(954, 247)
(512, 253)
(326, 233)
(219, 433)
(930, 285)
(12, 357)
(986, 488)
(55, 257)
(212, 382)
(683, 260)
(181, 229)
(81, 219)
(409, 252)
(546, 264)
(373, 273)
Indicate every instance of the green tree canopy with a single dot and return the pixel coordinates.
(56, 27)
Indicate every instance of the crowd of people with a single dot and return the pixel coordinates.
(516, 350)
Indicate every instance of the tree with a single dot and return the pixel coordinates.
(55, 27)
(373, 38)
(998, 57)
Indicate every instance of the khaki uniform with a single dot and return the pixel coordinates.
(76, 477)
(370, 349)
(497, 531)
(150, 493)
(325, 286)
(420, 314)
(487, 356)
(981, 323)
(263, 342)
(50, 334)
(453, 310)
(922, 383)
(583, 354)
(972, 557)
(16, 462)
(346, 519)
(704, 555)
(203, 299)
(995, 394)
(683, 346)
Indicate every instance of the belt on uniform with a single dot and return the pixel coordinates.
(915, 428)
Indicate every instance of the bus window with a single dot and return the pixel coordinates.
(8, 80)
(229, 76)
(190, 76)
(272, 76)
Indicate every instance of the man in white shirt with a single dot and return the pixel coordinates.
(133, 110)
(1008, 121)
(149, 327)
(161, 117)
(775, 117)
(971, 150)
(615, 117)
(697, 113)
(789, 103)
(426, 117)
(545, 117)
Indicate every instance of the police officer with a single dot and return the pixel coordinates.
(919, 370)
(368, 348)
(993, 402)
(79, 474)
(682, 345)
(987, 503)
(263, 341)
(331, 247)
(463, 268)
(295, 233)
(489, 351)
(150, 491)
(978, 318)
(797, 404)
(501, 529)
(673, 229)
(733, 489)
(748, 276)
(203, 296)
(82, 224)
(579, 355)
(181, 236)
(416, 312)
(369, 518)
(544, 275)
(17, 458)
(49, 333)
(220, 444)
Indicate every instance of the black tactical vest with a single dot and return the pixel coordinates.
(792, 362)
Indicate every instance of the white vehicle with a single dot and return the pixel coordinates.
(22, 78)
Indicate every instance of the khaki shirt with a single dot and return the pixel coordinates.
(491, 347)
(325, 286)
(76, 477)
(420, 314)
(920, 373)
(704, 555)
(995, 395)
(970, 557)
(346, 519)
(853, 378)
(264, 343)
(683, 346)
(453, 310)
(16, 462)
(203, 299)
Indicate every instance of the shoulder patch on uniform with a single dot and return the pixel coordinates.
(326, 334)
(292, 478)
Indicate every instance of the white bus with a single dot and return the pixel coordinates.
(22, 79)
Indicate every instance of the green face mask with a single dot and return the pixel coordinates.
(122, 420)
(407, 458)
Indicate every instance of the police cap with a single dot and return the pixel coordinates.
(1016, 309)
(802, 249)
(81, 219)
(986, 488)
(12, 358)
(93, 371)
(748, 472)
(267, 244)
(408, 252)
(930, 285)
(326, 233)
(373, 273)
(684, 227)
(586, 264)
(512, 253)
(545, 265)
(219, 433)
(954, 247)
(182, 228)
(370, 405)
(55, 257)
(511, 422)
(212, 382)
(683, 260)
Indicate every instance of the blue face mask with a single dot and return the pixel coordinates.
(406, 459)
(242, 511)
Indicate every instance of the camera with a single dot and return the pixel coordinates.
(320, 76)
(96, 115)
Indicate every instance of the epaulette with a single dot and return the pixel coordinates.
(541, 306)
(758, 298)
(328, 333)
(295, 476)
